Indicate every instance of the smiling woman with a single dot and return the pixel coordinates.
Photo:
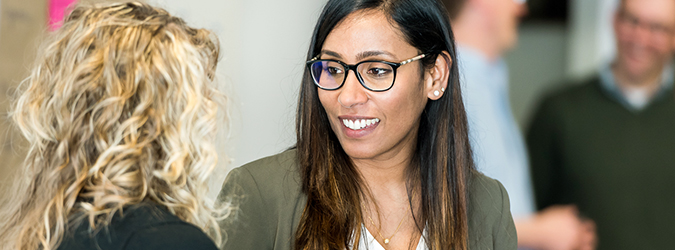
(382, 158)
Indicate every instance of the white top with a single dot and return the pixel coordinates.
(370, 243)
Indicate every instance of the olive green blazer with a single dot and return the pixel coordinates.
(270, 203)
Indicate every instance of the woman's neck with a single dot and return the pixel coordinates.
(385, 180)
(388, 173)
(388, 215)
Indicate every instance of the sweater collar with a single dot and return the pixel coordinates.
(634, 103)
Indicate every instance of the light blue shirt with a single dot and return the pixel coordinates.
(498, 147)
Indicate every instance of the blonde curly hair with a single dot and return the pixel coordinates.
(120, 108)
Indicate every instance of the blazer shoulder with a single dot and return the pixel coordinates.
(281, 163)
(490, 222)
(271, 173)
(485, 191)
(268, 199)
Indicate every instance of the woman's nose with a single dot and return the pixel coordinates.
(352, 93)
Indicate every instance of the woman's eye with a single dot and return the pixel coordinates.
(378, 72)
(334, 70)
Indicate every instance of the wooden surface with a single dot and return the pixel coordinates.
(22, 23)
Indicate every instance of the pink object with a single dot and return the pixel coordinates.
(57, 11)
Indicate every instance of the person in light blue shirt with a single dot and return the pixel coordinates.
(484, 30)
(498, 147)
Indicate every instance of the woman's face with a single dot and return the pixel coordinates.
(392, 117)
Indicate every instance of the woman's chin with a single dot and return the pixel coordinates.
(359, 152)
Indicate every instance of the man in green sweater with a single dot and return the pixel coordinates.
(608, 145)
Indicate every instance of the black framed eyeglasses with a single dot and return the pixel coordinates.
(375, 76)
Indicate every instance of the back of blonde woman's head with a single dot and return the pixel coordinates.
(119, 108)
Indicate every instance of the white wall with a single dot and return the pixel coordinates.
(536, 66)
(0, 13)
(591, 36)
(264, 43)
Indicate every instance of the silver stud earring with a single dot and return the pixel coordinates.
(436, 93)
(442, 89)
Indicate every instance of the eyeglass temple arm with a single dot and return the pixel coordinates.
(413, 59)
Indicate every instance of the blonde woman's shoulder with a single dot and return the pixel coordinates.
(146, 226)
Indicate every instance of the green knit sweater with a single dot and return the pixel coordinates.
(617, 165)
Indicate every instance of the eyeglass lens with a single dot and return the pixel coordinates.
(373, 75)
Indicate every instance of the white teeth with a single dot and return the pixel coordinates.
(359, 124)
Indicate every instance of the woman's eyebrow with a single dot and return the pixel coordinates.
(366, 54)
(331, 53)
(360, 56)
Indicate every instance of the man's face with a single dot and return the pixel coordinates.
(645, 36)
(505, 16)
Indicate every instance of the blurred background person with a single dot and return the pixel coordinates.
(120, 114)
(606, 144)
(485, 30)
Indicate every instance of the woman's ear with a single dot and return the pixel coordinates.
(436, 78)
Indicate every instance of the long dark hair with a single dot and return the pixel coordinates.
(443, 163)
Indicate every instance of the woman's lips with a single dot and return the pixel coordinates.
(358, 124)
(357, 127)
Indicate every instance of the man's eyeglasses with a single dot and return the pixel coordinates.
(373, 75)
(654, 28)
